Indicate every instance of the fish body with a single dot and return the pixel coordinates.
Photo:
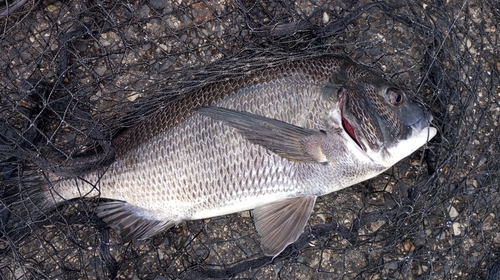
(271, 141)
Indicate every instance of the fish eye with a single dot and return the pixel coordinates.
(394, 96)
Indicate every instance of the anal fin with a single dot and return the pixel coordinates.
(131, 221)
(281, 223)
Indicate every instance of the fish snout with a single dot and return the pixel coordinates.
(424, 121)
(416, 116)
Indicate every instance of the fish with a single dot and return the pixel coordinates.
(270, 141)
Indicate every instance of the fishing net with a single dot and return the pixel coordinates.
(74, 73)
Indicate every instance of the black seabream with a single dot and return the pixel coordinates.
(272, 141)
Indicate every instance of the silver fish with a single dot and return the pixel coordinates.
(271, 141)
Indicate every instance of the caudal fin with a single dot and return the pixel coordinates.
(24, 203)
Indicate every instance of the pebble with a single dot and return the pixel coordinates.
(158, 4)
(456, 228)
(452, 211)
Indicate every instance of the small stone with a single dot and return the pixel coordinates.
(81, 46)
(144, 11)
(158, 4)
(326, 18)
(456, 228)
(452, 211)
(51, 8)
(496, 239)
(391, 265)
(245, 214)
(408, 245)
(100, 70)
(133, 96)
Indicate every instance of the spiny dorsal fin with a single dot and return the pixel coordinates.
(281, 223)
(286, 140)
(129, 220)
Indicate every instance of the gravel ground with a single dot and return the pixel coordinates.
(432, 216)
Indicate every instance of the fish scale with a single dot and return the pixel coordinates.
(161, 171)
(272, 140)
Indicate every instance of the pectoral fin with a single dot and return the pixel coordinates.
(288, 141)
(281, 223)
(129, 220)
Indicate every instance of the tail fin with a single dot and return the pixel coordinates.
(24, 204)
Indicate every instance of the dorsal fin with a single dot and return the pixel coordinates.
(130, 221)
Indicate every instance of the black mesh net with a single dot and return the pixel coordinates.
(74, 73)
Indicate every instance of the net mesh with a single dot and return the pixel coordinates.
(74, 73)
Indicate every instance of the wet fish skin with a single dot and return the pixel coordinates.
(271, 141)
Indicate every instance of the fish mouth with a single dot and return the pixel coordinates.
(423, 123)
(346, 125)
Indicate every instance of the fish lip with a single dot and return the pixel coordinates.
(422, 123)
(345, 121)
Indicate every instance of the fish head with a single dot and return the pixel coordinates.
(380, 118)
